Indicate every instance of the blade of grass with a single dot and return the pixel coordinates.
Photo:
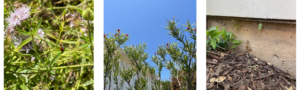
(56, 57)
(64, 67)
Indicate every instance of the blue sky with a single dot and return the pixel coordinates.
(144, 21)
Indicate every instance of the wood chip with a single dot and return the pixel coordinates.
(245, 72)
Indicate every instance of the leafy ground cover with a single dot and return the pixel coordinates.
(48, 44)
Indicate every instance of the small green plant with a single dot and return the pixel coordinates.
(217, 38)
(259, 26)
(237, 25)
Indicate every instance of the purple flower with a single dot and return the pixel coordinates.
(71, 24)
(23, 12)
(41, 33)
(17, 16)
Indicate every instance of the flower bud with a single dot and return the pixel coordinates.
(88, 14)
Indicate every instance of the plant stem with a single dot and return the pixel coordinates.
(35, 49)
(89, 28)
(178, 81)
(64, 67)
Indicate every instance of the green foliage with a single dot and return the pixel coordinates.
(217, 38)
(127, 75)
(32, 55)
(112, 54)
(138, 58)
(158, 60)
(141, 84)
(183, 57)
(166, 85)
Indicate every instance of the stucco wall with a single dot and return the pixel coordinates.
(275, 43)
(272, 9)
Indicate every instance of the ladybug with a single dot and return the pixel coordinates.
(62, 49)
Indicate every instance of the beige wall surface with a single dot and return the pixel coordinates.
(271, 9)
(275, 43)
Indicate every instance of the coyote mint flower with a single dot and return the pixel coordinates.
(17, 17)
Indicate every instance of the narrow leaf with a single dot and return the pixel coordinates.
(56, 57)
(37, 27)
(51, 35)
(88, 83)
(23, 43)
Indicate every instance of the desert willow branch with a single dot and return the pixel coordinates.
(64, 67)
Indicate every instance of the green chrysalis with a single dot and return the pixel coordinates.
(259, 26)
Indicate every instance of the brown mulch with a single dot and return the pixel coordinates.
(226, 71)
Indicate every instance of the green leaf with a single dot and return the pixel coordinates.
(51, 35)
(216, 35)
(23, 32)
(228, 33)
(9, 76)
(234, 45)
(88, 83)
(224, 33)
(213, 28)
(79, 9)
(23, 87)
(56, 57)
(225, 45)
(213, 43)
(259, 26)
(207, 33)
(23, 43)
(37, 27)
(67, 41)
(236, 41)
